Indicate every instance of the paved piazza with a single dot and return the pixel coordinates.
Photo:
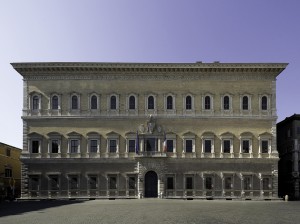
(149, 211)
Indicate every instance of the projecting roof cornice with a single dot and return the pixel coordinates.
(124, 68)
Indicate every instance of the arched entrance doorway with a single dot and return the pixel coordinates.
(151, 181)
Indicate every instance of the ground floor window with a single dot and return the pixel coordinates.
(170, 183)
(73, 182)
(34, 183)
(247, 183)
(131, 183)
(228, 183)
(208, 183)
(53, 182)
(112, 182)
(266, 183)
(189, 183)
(93, 182)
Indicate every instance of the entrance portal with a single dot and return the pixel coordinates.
(151, 181)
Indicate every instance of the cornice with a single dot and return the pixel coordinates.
(83, 68)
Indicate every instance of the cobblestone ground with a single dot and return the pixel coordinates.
(149, 211)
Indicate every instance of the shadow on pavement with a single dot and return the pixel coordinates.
(19, 207)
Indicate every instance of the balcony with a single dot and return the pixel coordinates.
(151, 154)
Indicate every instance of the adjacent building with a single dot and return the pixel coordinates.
(10, 172)
(288, 143)
(135, 130)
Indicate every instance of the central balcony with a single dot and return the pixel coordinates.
(151, 154)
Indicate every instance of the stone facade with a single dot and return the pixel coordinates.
(132, 130)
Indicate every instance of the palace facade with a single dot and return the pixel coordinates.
(135, 130)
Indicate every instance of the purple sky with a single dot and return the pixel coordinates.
(146, 31)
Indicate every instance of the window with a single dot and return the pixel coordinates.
(74, 147)
(112, 182)
(150, 103)
(170, 183)
(188, 103)
(131, 183)
(8, 172)
(188, 145)
(207, 146)
(73, 182)
(170, 145)
(131, 103)
(228, 183)
(207, 105)
(208, 183)
(35, 103)
(8, 152)
(93, 146)
(35, 146)
(226, 146)
(113, 102)
(169, 103)
(112, 145)
(94, 102)
(53, 182)
(131, 145)
(298, 130)
(92, 182)
(55, 103)
(189, 183)
(264, 103)
(247, 183)
(34, 183)
(245, 146)
(54, 146)
(265, 146)
(245, 103)
(266, 183)
(74, 103)
(226, 105)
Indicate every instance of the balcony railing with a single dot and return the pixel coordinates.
(151, 154)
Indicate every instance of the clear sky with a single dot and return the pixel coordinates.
(146, 31)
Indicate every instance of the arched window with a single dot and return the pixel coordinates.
(207, 103)
(150, 103)
(264, 103)
(54, 102)
(94, 102)
(226, 103)
(74, 103)
(245, 103)
(169, 103)
(188, 103)
(131, 103)
(113, 103)
(35, 103)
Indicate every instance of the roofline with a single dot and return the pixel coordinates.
(288, 119)
(1, 143)
(25, 68)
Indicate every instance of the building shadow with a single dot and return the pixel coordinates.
(20, 207)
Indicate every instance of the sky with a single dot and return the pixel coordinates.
(231, 31)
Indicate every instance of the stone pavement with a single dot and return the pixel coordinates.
(149, 211)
